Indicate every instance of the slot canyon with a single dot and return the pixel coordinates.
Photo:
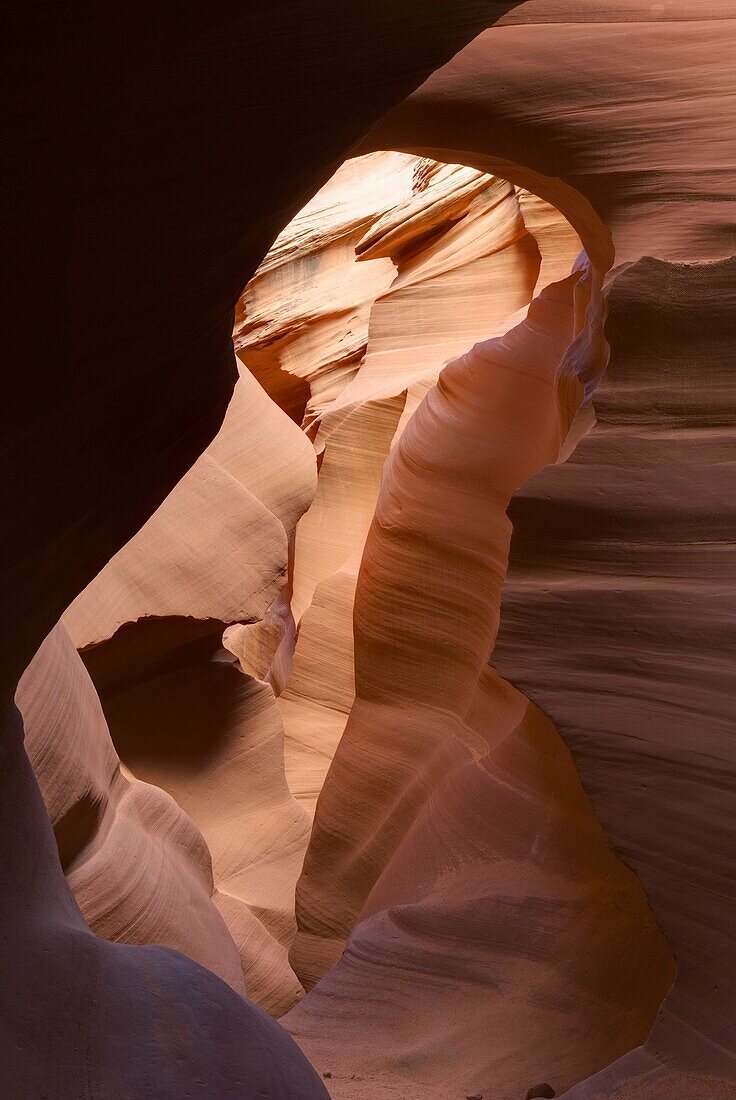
(369, 556)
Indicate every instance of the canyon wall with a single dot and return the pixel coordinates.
(478, 446)
(610, 616)
(133, 219)
(629, 581)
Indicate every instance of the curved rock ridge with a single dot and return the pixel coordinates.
(134, 212)
(190, 1031)
(217, 546)
(443, 853)
(649, 563)
(181, 716)
(455, 447)
(139, 868)
(646, 152)
(469, 252)
(212, 737)
(474, 919)
(464, 257)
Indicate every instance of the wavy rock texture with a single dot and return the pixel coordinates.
(465, 263)
(491, 937)
(140, 870)
(217, 546)
(183, 715)
(633, 591)
(605, 642)
(463, 799)
(212, 738)
(302, 321)
(187, 719)
(134, 218)
(455, 288)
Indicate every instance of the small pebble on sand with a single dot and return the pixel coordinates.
(541, 1092)
(327, 1073)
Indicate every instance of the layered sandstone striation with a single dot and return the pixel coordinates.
(402, 699)
(184, 715)
(133, 221)
(635, 600)
(633, 516)
(140, 870)
(468, 251)
(463, 801)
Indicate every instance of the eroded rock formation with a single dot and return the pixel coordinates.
(287, 751)
(442, 765)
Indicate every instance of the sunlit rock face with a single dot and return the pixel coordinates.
(253, 545)
(294, 635)
(612, 621)
(391, 697)
(442, 852)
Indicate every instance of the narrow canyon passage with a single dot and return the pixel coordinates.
(426, 832)
(454, 855)
(368, 572)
